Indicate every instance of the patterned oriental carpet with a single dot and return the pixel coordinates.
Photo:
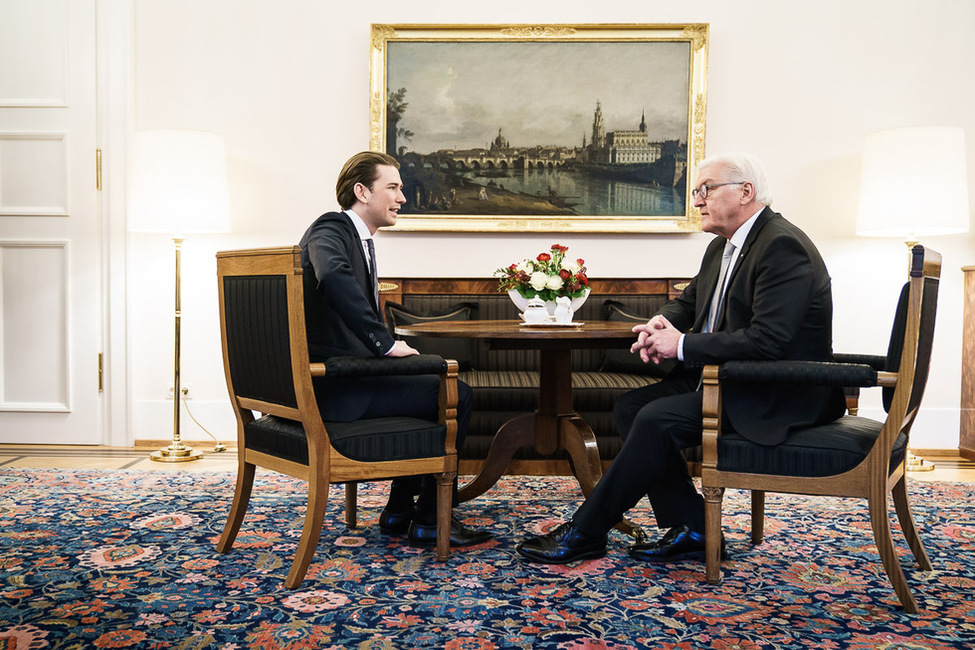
(121, 559)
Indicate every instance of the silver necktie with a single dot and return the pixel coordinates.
(717, 300)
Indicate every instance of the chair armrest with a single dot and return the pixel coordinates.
(417, 364)
(819, 373)
(875, 361)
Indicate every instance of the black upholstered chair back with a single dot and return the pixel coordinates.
(929, 308)
(258, 342)
(895, 348)
(896, 343)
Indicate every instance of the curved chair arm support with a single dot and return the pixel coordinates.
(447, 403)
(820, 373)
(711, 415)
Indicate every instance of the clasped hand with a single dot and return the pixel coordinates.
(656, 340)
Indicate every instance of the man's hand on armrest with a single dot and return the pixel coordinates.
(401, 349)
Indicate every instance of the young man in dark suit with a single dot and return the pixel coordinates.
(342, 309)
(762, 292)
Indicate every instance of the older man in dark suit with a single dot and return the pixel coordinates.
(762, 292)
(342, 312)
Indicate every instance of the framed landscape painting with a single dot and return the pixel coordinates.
(541, 128)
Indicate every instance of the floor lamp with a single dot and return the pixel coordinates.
(178, 186)
(914, 183)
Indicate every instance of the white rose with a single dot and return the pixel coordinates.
(524, 266)
(539, 280)
(554, 283)
(571, 267)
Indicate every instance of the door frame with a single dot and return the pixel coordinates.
(114, 109)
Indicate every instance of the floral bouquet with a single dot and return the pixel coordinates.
(548, 276)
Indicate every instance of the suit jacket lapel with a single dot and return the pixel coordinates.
(763, 218)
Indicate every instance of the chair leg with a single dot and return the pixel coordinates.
(310, 534)
(242, 496)
(880, 523)
(712, 536)
(906, 520)
(351, 511)
(758, 517)
(445, 489)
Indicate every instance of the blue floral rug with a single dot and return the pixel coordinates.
(117, 559)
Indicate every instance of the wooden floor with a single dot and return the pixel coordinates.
(949, 466)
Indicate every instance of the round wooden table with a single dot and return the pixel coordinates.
(555, 425)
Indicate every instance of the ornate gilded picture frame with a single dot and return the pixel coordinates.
(552, 128)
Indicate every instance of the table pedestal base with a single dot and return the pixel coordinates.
(574, 435)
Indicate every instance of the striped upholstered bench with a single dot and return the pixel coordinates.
(505, 383)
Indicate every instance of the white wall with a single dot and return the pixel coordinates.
(798, 84)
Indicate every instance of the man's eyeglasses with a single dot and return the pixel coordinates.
(704, 189)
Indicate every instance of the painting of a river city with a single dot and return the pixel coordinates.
(540, 130)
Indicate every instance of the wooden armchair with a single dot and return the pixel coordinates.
(851, 457)
(265, 351)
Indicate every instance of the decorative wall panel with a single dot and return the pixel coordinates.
(34, 49)
(33, 326)
(33, 174)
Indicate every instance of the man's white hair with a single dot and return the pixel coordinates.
(743, 167)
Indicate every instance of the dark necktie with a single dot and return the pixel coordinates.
(717, 300)
(372, 270)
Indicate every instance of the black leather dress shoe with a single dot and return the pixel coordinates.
(564, 544)
(679, 543)
(395, 523)
(460, 535)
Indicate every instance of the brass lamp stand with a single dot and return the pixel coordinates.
(178, 186)
(176, 452)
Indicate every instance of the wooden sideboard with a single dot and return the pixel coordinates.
(966, 441)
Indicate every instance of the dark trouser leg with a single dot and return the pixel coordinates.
(650, 464)
(629, 404)
(419, 397)
(413, 397)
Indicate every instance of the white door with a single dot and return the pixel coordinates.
(50, 297)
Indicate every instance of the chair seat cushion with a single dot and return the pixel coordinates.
(817, 451)
(372, 440)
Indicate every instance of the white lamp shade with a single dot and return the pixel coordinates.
(178, 183)
(914, 183)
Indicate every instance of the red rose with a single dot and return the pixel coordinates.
(543, 257)
(565, 275)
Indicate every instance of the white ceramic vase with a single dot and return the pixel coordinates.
(521, 303)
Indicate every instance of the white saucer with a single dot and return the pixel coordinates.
(554, 324)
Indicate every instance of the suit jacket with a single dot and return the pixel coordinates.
(340, 309)
(778, 305)
(341, 314)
